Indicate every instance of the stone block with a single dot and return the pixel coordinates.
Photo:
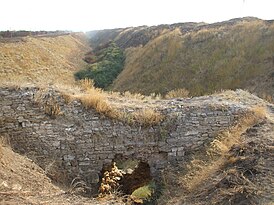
(180, 153)
(194, 132)
(69, 157)
(84, 163)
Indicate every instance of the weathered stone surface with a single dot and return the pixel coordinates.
(82, 141)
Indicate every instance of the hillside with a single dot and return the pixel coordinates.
(200, 57)
(42, 60)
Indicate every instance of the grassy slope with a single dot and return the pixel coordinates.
(42, 60)
(226, 56)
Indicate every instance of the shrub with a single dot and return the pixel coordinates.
(144, 192)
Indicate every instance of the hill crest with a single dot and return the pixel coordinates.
(202, 58)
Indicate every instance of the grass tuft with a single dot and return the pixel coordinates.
(97, 100)
(52, 108)
(147, 117)
(86, 84)
(177, 93)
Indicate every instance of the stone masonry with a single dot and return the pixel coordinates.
(81, 141)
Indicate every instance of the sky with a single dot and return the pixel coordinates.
(86, 15)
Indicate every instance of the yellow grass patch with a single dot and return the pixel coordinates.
(147, 117)
(177, 93)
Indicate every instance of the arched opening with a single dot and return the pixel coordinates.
(139, 177)
(130, 177)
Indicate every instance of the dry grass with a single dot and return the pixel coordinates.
(134, 96)
(223, 143)
(86, 84)
(95, 98)
(50, 104)
(199, 61)
(98, 99)
(220, 146)
(177, 93)
(260, 112)
(68, 98)
(147, 117)
(137, 96)
(41, 61)
(52, 108)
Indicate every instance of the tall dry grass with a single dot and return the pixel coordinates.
(97, 101)
(86, 84)
(96, 98)
(52, 108)
(219, 147)
(177, 93)
(147, 117)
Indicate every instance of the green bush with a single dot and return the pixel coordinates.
(106, 69)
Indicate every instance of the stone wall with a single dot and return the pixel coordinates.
(81, 141)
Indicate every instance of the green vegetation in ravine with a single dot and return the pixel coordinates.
(108, 62)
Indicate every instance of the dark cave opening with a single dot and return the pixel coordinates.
(129, 177)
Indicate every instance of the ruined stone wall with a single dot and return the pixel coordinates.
(82, 141)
